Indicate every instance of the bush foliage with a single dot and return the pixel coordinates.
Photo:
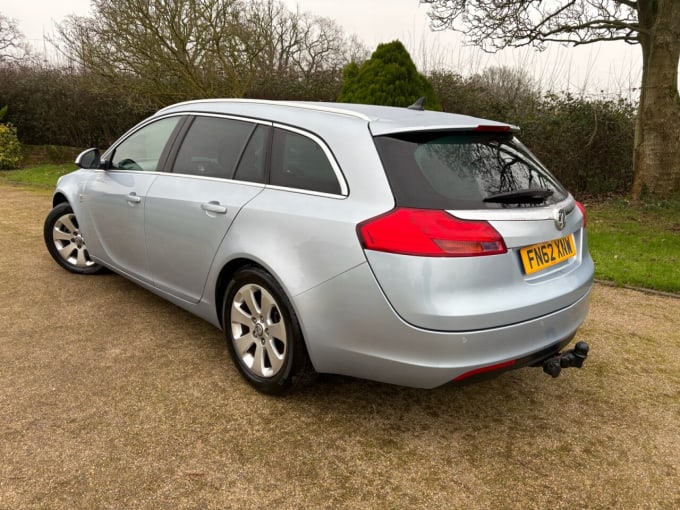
(10, 148)
(68, 107)
(587, 143)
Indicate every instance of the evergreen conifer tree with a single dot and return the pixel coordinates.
(388, 78)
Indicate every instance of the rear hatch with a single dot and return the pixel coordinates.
(482, 235)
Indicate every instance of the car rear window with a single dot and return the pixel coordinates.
(465, 170)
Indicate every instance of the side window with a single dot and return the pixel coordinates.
(252, 166)
(142, 150)
(299, 162)
(212, 147)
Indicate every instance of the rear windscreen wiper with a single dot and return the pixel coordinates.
(521, 196)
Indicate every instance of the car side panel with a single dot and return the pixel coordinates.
(302, 239)
(186, 221)
(114, 203)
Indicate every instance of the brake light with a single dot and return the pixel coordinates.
(429, 233)
(583, 211)
(487, 128)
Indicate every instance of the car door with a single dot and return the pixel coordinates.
(189, 210)
(116, 196)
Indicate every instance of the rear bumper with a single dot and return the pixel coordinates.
(351, 329)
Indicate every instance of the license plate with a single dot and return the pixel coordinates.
(540, 256)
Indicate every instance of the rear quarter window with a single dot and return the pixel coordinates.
(299, 162)
(440, 170)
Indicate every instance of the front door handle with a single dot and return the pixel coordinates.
(215, 207)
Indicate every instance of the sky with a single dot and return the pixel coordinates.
(613, 68)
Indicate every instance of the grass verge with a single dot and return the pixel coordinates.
(636, 244)
(42, 166)
(40, 175)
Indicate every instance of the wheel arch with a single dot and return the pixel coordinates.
(58, 198)
(225, 276)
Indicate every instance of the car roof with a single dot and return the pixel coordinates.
(382, 120)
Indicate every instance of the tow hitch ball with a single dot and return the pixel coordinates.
(572, 358)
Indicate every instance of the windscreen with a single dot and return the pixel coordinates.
(465, 170)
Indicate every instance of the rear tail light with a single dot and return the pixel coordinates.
(429, 233)
(583, 212)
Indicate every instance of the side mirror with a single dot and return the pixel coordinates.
(89, 158)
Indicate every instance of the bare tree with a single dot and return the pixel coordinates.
(173, 50)
(199, 48)
(653, 24)
(508, 84)
(12, 42)
(303, 44)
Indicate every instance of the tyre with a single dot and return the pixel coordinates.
(263, 333)
(65, 242)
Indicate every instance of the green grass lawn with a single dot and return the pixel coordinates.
(40, 175)
(632, 244)
(636, 244)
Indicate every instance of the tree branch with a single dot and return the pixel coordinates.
(502, 23)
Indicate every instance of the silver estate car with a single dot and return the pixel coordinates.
(399, 245)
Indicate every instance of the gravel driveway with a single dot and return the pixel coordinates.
(113, 398)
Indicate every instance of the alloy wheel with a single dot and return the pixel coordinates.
(258, 330)
(69, 242)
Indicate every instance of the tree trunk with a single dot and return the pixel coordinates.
(656, 157)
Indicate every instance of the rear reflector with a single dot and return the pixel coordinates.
(429, 233)
(483, 370)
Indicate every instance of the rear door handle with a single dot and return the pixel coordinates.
(214, 207)
(132, 198)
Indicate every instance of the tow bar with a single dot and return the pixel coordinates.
(573, 358)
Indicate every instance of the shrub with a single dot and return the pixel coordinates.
(587, 143)
(10, 148)
(67, 107)
(389, 78)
